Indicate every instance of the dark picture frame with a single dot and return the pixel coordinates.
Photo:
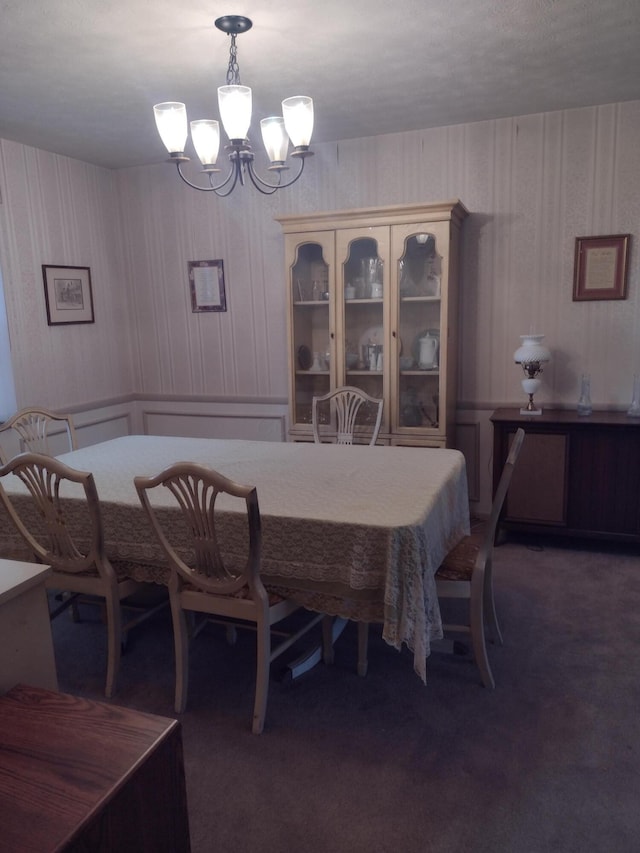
(68, 295)
(600, 267)
(206, 282)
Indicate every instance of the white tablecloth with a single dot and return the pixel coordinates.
(355, 531)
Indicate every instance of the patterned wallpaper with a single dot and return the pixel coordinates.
(58, 211)
(532, 184)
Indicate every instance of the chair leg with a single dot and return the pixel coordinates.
(263, 660)
(73, 610)
(363, 647)
(181, 645)
(491, 616)
(327, 640)
(477, 638)
(114, 631)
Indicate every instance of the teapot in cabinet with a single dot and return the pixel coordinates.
(429, 350)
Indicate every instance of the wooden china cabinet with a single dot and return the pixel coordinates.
(373, 303)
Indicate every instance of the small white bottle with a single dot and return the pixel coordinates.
(584, 403)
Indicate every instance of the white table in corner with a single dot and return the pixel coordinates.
(25, 629)
(354, 531)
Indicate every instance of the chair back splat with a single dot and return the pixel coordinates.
(355, 414)
(35, 427)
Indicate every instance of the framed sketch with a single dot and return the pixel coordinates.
(206, 280)
(600, 267)
(67, 291)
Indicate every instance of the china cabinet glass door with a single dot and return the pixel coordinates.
(418, 322)
(362, 262)
(313, 335)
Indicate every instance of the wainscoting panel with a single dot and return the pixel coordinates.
(103, 429)
(250, 427)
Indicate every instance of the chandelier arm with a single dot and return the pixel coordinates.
(256, 180)
(234, 173)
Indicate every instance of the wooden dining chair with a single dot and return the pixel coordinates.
(222, 577)
(74, 548)
(357, 415)
(465, 573)
(34, 428)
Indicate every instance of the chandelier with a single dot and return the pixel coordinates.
(234, 103)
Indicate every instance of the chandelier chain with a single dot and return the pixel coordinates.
(233, 71)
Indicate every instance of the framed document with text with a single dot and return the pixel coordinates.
(600, 267)
(206, 279)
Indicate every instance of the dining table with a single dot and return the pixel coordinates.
(352, 531)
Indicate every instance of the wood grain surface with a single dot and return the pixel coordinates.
(79, 775)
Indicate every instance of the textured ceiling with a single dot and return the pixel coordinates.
(80, 77)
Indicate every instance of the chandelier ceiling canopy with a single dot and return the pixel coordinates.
(234, 104)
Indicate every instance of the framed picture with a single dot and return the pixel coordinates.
(600, 267)
(67, 291)
(206, 279)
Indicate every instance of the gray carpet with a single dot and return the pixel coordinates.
(549, 761)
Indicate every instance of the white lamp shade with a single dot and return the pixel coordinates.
(205, 135)
(298, 119)
(275, 138)
(531, 349)
(171, 121)
(234, 103)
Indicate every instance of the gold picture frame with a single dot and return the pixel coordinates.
(68, 295)
(600, 267)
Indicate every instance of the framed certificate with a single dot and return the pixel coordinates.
(600, 267)
(206, 280)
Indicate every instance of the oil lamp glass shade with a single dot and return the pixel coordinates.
(530, 386)
(298, 119)
(531, 349)
(171, 121)
(275, 138)
(234, 103)
(205, 135)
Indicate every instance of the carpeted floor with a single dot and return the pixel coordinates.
(549, 761)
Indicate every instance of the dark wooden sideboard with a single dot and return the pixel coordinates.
(80, 776)
(576, 476)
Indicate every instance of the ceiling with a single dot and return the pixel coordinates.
(80, 77)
